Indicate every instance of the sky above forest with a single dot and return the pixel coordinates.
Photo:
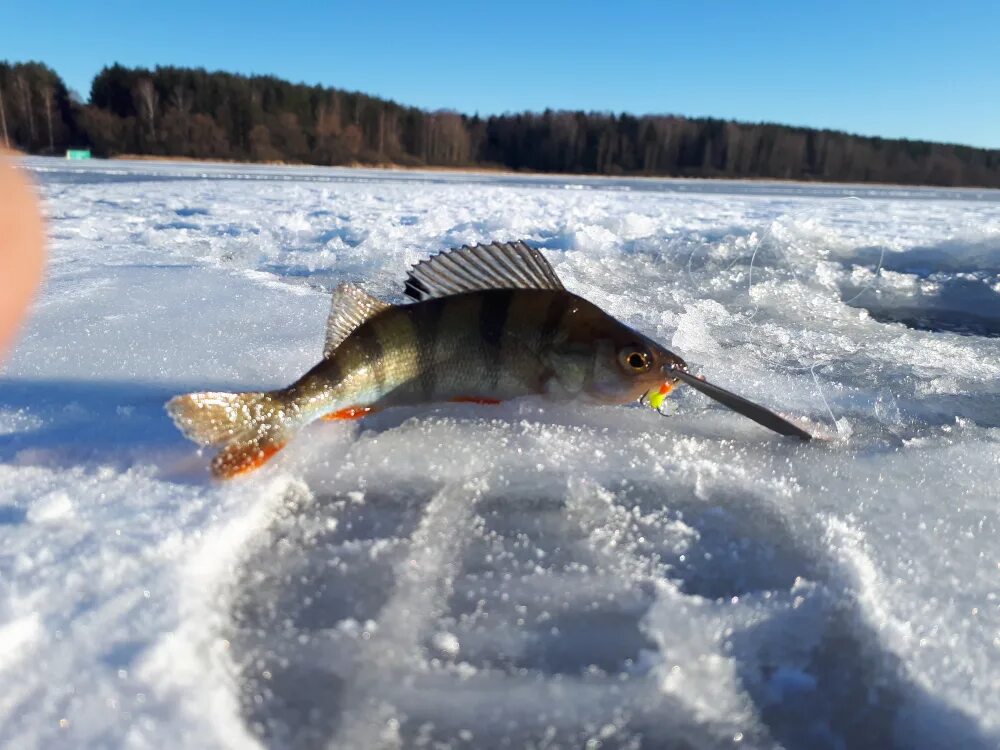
(914, 69)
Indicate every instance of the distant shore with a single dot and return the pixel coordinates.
(195, 114)
(496, 170)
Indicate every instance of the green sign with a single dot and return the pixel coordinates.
(78, 153)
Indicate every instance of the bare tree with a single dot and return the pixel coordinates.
(427, 138)
(24, 89)
(381, 131)
(147, 100)
(353, 140)
(3, 120)
(327, 130)
(180, 100)
(335, 109)
(449, 140)
(174, 123)
(327, 121)
(48, 97)
(260, 145)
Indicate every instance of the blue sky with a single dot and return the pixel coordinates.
(909, 69)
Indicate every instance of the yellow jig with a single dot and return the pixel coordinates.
(656, 397)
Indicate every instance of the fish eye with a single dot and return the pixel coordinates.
(635, 360)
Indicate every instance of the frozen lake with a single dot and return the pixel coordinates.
(525, 575)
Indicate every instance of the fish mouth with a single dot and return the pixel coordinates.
(759, 414)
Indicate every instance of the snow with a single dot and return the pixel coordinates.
(526, 575)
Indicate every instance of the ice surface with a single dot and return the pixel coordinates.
(524, 575)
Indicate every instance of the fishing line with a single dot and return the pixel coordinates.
(768, 239)
(871, 284)
(769, 243)
(769, 236)
(819, 390)
(690, 258)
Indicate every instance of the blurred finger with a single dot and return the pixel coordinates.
(21, 248)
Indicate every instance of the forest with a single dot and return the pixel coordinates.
(184, 112)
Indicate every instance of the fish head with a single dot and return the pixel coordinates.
(633, 366)
(612, 363)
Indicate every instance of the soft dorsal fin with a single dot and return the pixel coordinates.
(350, 308)
(472, 268)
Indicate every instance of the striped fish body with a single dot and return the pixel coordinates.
(491, 345)
(489, 323)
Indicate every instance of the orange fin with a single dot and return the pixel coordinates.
(351, 412)
(475, 400)
(243, 457)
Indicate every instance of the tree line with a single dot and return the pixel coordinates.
(194, 113)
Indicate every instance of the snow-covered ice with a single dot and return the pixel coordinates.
(524, 575)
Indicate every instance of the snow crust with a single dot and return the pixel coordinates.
(524, 575)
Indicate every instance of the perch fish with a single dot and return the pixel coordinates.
(488, 323)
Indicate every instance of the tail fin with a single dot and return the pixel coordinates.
(250, 427)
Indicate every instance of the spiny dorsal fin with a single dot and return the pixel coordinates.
(349, 309)
(498, 265)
